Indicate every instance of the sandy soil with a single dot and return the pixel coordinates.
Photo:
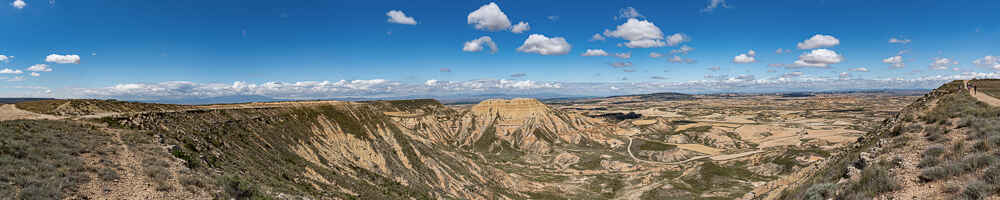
(11, 112)
(699, 148)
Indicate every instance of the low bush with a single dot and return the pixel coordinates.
(936, 134)
(108, 174)
(931, 157)
(935, 118)
(41, 159)
(977, 190)
(236, 188)
(162, 186)
(967, 164)
(157, 173)
(821, 191)
(875, 180)
(192, 182)
(992, 175)
(934, 173)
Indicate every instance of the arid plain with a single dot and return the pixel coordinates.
(651, 146)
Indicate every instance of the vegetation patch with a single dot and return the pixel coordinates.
(42, 159)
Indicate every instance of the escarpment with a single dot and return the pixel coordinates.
(338, 149)
(408, 148)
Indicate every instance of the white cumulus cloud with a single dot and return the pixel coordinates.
(520, 27)
(677, 38)
(40, 68)
(744, 58)
(477, 45)
(537, 43)
(942, 63)
(859, 69)
(10, 71)
(19, 4)
(819, 58)
(988, 62)
(489, 17)
(398, 17)
(597, 37)
(595, 52)
(628, 12)
(431, 82)
(894, 61)
(63, 59)
(4, 58)
(639, 33)
(684, 49)
(819, 40)
(35, 74)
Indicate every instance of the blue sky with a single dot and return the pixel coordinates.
(286, 49)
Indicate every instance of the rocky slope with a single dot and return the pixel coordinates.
(943, 146)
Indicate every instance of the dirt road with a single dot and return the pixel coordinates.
(10, 112)
(993, 101)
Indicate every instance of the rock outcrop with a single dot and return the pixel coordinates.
(524, 124)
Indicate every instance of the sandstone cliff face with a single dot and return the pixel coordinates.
(333, 150)
(523, 124)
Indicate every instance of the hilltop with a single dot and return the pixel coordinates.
(943, 146)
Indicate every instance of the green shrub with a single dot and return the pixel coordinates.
(108, 174)
(977, 190)
(967, 164)
(936, 134)
(983, 146)
(992, 175)
(236, 188)
(892, 163)
(934, 173)
(821, 191)
(162, 185)
(41, 159)
(875, 180)
(189, 159)
(935, 118)
(156, 173)
(952, 189)
(931, 157)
